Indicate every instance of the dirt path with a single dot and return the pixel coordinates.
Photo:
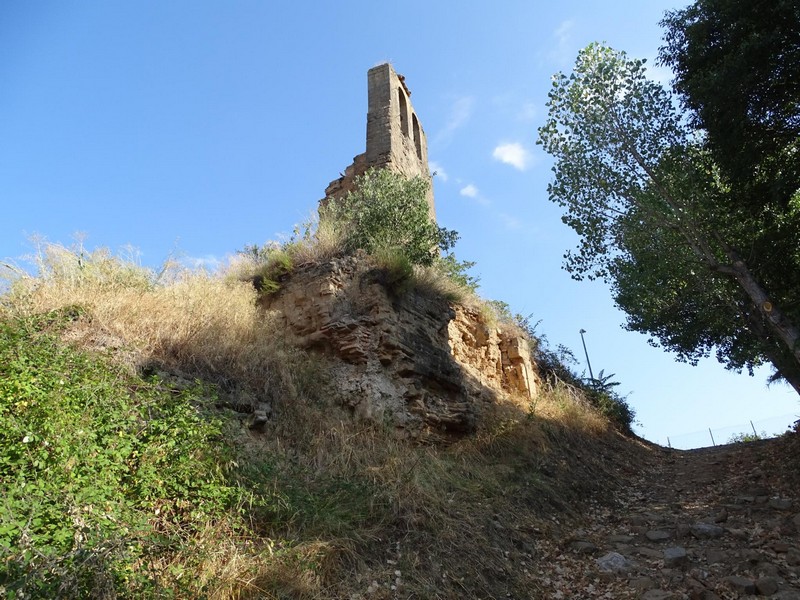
(707, 524)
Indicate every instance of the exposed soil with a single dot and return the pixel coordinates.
(706, 524)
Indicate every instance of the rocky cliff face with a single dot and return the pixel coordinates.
(409, 359)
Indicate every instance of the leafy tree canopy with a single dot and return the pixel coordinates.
(660, 221)
(737, 69)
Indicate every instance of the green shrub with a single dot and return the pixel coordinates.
(389, 211)
(741, 438)
(269, 263)
(396, 270)
(102, 471)
(457, 271)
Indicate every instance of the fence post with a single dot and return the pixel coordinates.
(668, 442)
(754, 428)
(712, 436)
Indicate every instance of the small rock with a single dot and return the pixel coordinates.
(620, 539)
(642, 583)
(657, 536)
(793, 558)
(767, 586)
(780, 547)
(796, 520)
(682, 531)
(714, 556)
(657, 595)
(696, 588)
(780, 503)
(744, 499)
(750, 555)
(613, 562)
(739, 534)
(650, 552)
(741, 584)
(721, 516)
(766, 569)
(675, 557)
(583, 547)
(706, 530)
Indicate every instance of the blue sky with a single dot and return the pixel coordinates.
(197, 127)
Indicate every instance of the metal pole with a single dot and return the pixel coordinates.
(754, 429)
(712, 436)
(582, 331)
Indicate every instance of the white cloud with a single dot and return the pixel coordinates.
(563, 52)
(470, 191)
(528, 112)
(511, 222)
(562, 32)
(438, 170)
(460, 112)
(514, 154)
(208, 262)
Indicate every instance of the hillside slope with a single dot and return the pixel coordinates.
(167, 436)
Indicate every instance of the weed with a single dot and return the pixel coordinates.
(741, 438)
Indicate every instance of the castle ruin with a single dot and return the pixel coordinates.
(395, 138)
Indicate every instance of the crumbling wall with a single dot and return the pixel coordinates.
(395, 138)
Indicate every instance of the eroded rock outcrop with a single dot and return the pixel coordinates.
(402, 357)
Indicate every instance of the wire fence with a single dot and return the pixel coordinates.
(761, 429)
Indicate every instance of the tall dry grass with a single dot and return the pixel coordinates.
(199, 323)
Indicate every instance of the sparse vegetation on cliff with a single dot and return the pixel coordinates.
(387, 218)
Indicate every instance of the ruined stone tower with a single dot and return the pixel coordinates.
(395, 138)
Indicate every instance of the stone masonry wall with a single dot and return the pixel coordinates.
(395, 138)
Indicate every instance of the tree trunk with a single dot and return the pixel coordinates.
(779, 323)
(787, 368)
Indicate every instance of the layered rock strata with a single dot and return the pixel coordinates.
(402, 357)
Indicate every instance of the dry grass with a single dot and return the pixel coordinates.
(197, 323)
(430, 281)
(320, 241)
(357, 504)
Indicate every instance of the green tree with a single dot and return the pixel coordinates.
(751, 50)
(389, 212)
(737, 70)
(658, 219)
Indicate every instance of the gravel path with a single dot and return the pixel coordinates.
(707, 524)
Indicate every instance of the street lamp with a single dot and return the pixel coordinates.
(582, 331)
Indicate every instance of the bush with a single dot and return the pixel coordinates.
(557, 366)
(456, 271)
(741, 438)
(103, 472)
(265, 266)
(388, 211)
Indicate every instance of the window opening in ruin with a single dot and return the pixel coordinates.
(417, 136)
(403, 111)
